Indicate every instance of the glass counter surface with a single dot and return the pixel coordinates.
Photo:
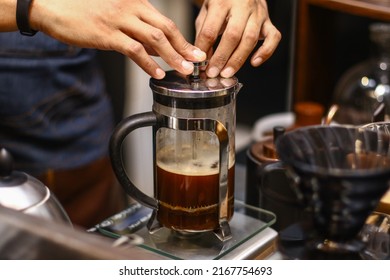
(246, 223)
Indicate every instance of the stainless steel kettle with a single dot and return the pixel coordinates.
(27, 194)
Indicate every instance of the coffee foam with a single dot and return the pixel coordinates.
(202, 162)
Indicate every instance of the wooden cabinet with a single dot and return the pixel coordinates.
(331, 35)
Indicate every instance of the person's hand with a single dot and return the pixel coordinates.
(132, 27)
(242, 24)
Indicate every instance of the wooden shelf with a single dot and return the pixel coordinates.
(318, 45)
(376, 9)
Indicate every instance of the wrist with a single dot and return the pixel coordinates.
(23, 8)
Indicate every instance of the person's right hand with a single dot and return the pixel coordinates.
(241, 24)
(132, 27)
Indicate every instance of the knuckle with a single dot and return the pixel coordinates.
(208, 34)
(157, 35)
(220, 4)
(148, 66)
(220, 59)
(135, 48)
(233, 35)
(175, 59)
(238, 61)
(170, 25)
(276, 35)
(186, 46)
(251, 37)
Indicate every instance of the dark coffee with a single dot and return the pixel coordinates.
(189, 200)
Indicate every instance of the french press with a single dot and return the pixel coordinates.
(193, 120)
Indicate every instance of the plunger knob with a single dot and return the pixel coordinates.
(197, 66)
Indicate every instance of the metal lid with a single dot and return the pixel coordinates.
(196, 85)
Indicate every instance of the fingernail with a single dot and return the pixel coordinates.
(257, 61)
(227, 72)
(213, 72)
(199, 54)
(187, 65)
(160, 73)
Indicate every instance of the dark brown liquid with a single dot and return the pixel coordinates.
(190, 202)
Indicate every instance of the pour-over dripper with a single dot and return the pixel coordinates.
(384, 127)
(343, 172)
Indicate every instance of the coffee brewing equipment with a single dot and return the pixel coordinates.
(341, 173)
(193, 119)
(267, 183)
(366, 85)
(383, 127)
(26, 194)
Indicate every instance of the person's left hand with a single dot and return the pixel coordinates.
(242, 24)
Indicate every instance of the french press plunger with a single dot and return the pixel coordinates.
(193, 121)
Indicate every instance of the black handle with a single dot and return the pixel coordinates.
(278, 180)
(126, 126)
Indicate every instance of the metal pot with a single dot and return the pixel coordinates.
(27, 194)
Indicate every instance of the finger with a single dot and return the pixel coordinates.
(150, 50)
(272, 38)
(156, 40)
(248, 42)
(209, 25)
(199, 21)
(136, 52)
(230, 40)
(173, 35)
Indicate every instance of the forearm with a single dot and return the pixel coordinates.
(8, 15)
(134, 28)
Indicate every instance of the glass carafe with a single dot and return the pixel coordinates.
(366, 85)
